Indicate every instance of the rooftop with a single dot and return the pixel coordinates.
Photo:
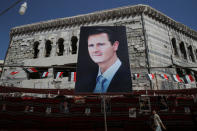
(106, 14)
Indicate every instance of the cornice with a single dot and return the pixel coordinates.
(105, 15)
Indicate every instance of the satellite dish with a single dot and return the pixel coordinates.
(23, 8)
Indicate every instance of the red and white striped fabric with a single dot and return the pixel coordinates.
(31, 70)
(73, 76)
(177, 78)
(14, 72)
(151, 76)
(59, 74)
(45, 74)
(136, 76)
(189, 78)
(164, 76)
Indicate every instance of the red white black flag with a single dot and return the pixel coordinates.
(151, 76)
(59, 74)
(164, 76)
(45, 74)
(73, 76)
(31, 70)
(177, 78)
(14, 72)
(189, 78)
(136, 76)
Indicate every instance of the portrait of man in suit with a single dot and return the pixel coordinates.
(103, 70)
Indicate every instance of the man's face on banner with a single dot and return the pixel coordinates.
(100, 48)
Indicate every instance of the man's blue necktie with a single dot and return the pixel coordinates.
(100, 84)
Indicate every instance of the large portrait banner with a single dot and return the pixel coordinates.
(103, 60)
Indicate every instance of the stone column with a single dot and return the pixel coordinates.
(41, 48)
(54, 46)
(66, 47)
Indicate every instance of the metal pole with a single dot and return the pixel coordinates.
(156, 81)
(105, 116)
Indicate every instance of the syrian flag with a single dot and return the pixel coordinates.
(45, 74)
(73, 76)
(136, 76)
(189, 78)
(151, 76)
(177, 78)
(14, 72)
(31, 70)
(59, 74)
(164, 76)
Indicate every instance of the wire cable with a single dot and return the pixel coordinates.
(12, 6)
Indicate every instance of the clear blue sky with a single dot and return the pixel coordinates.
(184, 11)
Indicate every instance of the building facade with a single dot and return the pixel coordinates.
(1, 64)
(157, 44)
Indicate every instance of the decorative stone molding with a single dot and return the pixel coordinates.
(103, 15)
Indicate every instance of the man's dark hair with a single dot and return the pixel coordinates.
(110, 33)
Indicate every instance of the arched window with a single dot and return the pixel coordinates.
(183, 51)
(60, 47)
(191, 54)
(36, 50)
(48, 48)
(174, 46)
(196, 54)
(74, 41)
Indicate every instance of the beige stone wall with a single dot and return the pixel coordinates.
(161, 53)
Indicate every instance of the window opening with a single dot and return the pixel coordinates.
(195, 75)
(196, 53)
(60, 47)
(36, 50)
(183, 51)
(180, 72)
(66, 72)
(191, 54)
(48, 48)
(37, 75)
(174, 46)
(74, 41)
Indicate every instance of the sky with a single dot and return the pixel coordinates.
(183, 11)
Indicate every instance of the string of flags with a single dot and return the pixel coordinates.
(176, 78)
(72, 77)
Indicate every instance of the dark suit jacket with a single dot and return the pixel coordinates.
(121, 82)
